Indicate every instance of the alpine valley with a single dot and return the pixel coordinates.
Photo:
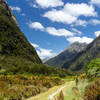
(74, 74)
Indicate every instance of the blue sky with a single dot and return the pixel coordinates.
(52, 25)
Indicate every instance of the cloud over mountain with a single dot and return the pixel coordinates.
(80, 39)
(44, 53)
(97, 33)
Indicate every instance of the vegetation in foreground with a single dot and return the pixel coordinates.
(25, 79)
(92, 91)
(19, 87)
(87, 88)
(84, 90)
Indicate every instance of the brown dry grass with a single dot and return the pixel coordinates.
(92, 91)
(18, 87)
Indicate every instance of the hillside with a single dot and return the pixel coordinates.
(67, 55)
(14, 47)
(81, 61)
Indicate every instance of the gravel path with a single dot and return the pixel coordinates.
(52, 96)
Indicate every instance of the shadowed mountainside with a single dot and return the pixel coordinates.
(13, 43)
(81, 61)
(67, 55)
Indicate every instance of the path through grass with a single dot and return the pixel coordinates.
(70, 91)
(73, 92)
(45, 95)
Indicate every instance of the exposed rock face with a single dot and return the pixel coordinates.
(67, 54)
(8, 9)
(76, 47)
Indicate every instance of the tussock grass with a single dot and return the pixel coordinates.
(19, 87)
(92, 91)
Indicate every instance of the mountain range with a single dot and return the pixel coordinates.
(77, 56)
(67, 55)
(80, 62)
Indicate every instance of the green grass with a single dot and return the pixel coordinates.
(70, 93)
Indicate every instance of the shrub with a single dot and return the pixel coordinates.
(3, 71)
(94, 68)
(17, 87)
(92, 91)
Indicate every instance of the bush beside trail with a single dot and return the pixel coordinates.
(19, 87)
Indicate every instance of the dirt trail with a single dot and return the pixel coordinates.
(51, 93)
(52, 96)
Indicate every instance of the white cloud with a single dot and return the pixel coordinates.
(34, 45)
(52, 30)
(60, 16)
(94, 22)
(76, 31)
(97, 33)
(36, 25)
(49, 3)
(43, 53)
(85, 23)
(18, 9)
(80, 23)
(70, 13)
(22, 14)
(35, 6)
(97, 2)
(59, 32)
(80, 39)
(80, 9)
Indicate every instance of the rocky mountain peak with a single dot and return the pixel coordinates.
(76, 47)
(67, 55)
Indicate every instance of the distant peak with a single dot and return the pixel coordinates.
(78, 43)
(76, 46)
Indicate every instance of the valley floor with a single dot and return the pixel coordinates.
(69, 89)
(51, 92)
(19, 87)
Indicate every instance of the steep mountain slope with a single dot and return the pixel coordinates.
(80, 62)
(14, 47)
(67, 55)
